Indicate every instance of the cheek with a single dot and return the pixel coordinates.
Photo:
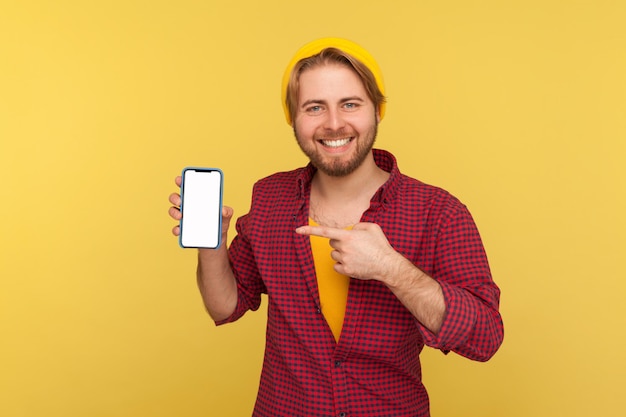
(361, 126)
(303, 129)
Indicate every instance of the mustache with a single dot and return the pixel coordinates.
(335, 134)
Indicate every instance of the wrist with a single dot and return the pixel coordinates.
(401, 273)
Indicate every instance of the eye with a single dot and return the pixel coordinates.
(351, 106)
(314, 109)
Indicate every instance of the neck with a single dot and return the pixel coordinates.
(341, 201)
(366, 179)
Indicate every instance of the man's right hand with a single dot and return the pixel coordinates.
(174, 212)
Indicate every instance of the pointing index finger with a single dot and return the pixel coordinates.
(321, 231)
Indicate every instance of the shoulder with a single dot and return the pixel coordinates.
(415, 189)
(409, 190)
(429, 203)
(279, 181)
(280, 189)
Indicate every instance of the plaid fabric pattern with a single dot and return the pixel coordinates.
(374, 368)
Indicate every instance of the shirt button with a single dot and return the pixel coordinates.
(342, 414)
(337, 365)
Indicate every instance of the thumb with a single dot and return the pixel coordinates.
(227, 212)
(227, 215)
(362, 226)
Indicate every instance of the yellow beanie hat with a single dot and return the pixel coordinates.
(344, 45)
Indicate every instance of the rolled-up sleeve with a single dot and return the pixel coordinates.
(472, 325)
(250, 286)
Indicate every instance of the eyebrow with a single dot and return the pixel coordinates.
(343, 100)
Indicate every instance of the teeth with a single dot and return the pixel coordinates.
(336, 143)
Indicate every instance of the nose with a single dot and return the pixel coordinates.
(334, 119)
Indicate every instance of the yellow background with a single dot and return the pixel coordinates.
(517, 107)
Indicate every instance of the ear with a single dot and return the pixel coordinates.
(378, 115)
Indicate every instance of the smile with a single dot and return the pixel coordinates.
(336, 143)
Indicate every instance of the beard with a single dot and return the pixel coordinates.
(337, 167)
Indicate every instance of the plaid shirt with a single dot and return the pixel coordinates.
(374, 368)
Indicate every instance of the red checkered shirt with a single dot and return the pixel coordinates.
(374, 368)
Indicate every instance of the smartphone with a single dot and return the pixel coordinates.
(201, 207)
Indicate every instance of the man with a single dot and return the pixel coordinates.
(362, 265)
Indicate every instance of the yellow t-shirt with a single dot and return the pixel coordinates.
(332, 286)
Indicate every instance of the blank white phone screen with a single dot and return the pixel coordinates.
(201, 209)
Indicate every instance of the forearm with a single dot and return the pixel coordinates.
(419, 293)
(216, 282)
